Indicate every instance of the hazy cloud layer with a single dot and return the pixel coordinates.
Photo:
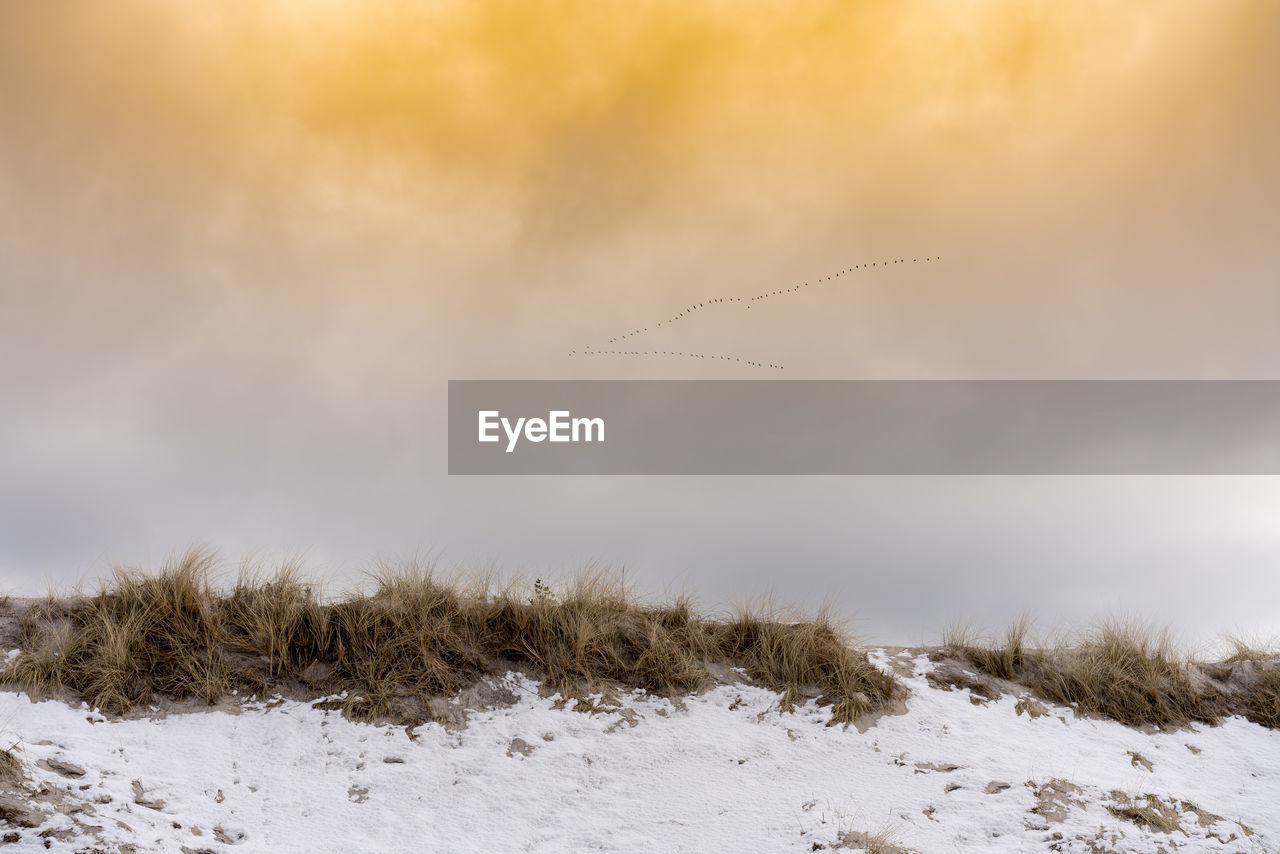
(243, 245)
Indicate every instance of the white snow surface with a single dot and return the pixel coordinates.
(724, 770)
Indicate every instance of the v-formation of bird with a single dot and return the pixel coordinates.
(722, 301)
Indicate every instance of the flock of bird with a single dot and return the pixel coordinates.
(591, 352)
(721, 301)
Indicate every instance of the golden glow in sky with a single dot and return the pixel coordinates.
(569, 119)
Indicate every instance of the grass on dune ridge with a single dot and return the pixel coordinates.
(1131, 673)
(415, 636)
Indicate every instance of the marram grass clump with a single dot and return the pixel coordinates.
(1131, 674)
(413, 638)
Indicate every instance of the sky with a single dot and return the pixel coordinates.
(244, 245)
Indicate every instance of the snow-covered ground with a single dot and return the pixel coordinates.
(720, 771)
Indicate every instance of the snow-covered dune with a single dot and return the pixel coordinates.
(724, 770)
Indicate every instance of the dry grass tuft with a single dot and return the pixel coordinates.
(1146, 811)
(883, 841)
(1004, 660)
(791, 655)
(1122, 671)
(1260, 700)
(1255, 668)
(10, 767)
(1132, 675)
(1250, 650)
(415, 636)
